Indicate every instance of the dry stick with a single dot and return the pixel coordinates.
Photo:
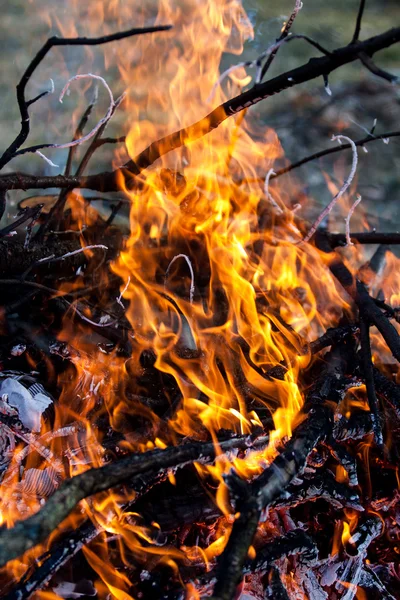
(366, 305)
(32, 531)
(284, 33)
(63, 551)
(364, 237)
(286, 466)
(23, 104)
(340, 193)
(321, 153)
(110, 181)
(358, 22)
(79, 131)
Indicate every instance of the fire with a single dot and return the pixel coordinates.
(213, 314)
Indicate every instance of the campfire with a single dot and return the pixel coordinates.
(199, 389)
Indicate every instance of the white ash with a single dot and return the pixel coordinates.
(30, 407)
(18, 349)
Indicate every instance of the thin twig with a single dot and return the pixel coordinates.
(75, 141)
(52, 258)
(357, 30)
(347, 219)
(340, 193)
(111, 181)
(35, 529)
(79, 130)
(257, 62)
(189, 264)
(321, 153)
(284, 33)
(23, 104)
(373, 68)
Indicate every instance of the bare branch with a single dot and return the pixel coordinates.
(340, 193)
(358, 22)
(321, 153)
(347, 220)
(110, 181)
(23, 104)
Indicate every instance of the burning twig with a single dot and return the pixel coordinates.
(253, 497)
(32, 531)
(340, 193)
(367, 366)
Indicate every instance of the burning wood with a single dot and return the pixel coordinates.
(202, 402)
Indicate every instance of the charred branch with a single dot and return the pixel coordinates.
(110, 181)
(252, 498)
(366, 305)
(24, 104)
(359, 143)
(35, 529)
(368, 372)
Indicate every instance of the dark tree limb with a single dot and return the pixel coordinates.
(23, 104)
(253, 497)
(36, 578)
(369, 138)
(316, 67)
(107, 182)
(368, 372)
(373, 68)
(356, 289)
(357, 29)
(32, 531)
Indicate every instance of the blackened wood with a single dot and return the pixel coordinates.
(110, 181)
(388, 389)
(368, 372)
(296, 542)
(49, 564)
(32, 531)
(356, 289)
(252, 498)
(275, 590)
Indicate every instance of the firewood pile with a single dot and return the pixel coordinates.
(204, 404)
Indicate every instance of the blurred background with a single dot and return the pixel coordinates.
(304, 117)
